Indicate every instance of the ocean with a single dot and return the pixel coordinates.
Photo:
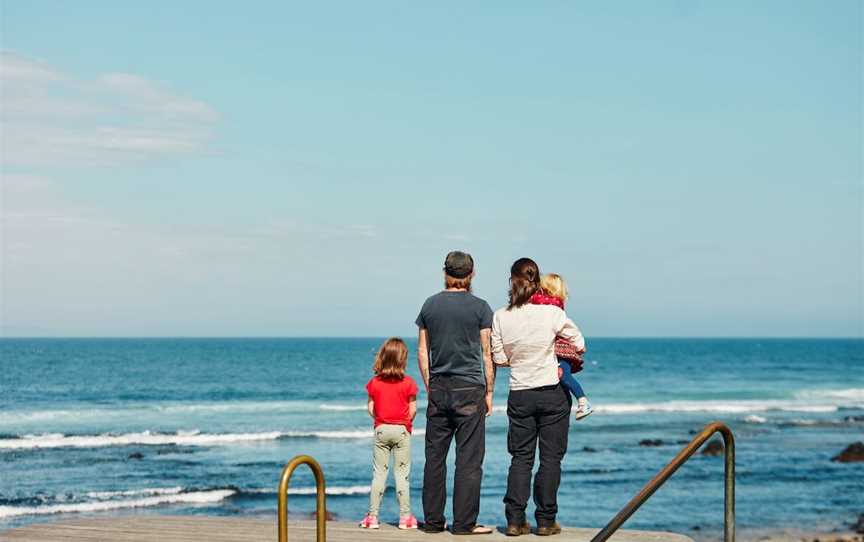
(204, 426)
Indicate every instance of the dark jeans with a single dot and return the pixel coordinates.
(568, 380)
(455, 407)
(537, 414)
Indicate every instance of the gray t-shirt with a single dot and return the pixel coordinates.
(453, 321)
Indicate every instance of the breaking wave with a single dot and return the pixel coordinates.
(744, 406)
(848, 395)
(147, 438)
(155, 497)
(815, 400)
(335, 490)
(135, 492)
(755, 419)
(181, 438)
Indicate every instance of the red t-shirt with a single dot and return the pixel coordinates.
(391, 399)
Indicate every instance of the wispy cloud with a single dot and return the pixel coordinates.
(153, 98)
(49, 117)
(17, 68)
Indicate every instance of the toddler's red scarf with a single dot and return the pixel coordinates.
(539, 298)
(563, 349)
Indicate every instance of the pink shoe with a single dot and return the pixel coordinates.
(371, 522)
(408, 521)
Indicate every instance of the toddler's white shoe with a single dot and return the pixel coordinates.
(583, 409)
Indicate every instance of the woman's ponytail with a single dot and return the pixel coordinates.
(524, 281)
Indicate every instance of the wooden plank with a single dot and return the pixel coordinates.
(235, 529)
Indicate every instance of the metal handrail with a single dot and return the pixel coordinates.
(320, 497)
(669, 470)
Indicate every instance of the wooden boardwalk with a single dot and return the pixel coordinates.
(226, 529)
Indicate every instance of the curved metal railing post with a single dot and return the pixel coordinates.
(320, 497)
(661, 477)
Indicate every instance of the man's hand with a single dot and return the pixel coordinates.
(488, 404)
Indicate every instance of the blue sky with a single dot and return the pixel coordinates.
(279, 169)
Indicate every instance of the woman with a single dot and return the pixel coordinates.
(538, 408)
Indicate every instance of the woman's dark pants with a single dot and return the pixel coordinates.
(455, 408)
(539, 414)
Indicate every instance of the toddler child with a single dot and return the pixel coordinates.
(553, 291)
(392, 404)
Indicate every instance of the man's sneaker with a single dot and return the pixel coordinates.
(370, 522)
(583, 410)
(408, 521)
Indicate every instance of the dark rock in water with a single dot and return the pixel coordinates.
(651, 442)
(852, 419)
(695, 528)
(852, 454)
(136, 455)
(683, 442)
(858, 526)
(588, 449)
(713, 448)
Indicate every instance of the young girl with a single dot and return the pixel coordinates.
(553, 291)
(393, 405)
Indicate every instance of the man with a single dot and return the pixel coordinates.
(455, 361)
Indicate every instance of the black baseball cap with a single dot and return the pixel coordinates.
(458, 264)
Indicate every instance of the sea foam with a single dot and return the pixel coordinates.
(734, 407)
(340, 434)
(812, 400)
(334, 490)
(192, 497)
(150, 491)
(57, 440)
(181, 438)
(731, 407)
(843, 396)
